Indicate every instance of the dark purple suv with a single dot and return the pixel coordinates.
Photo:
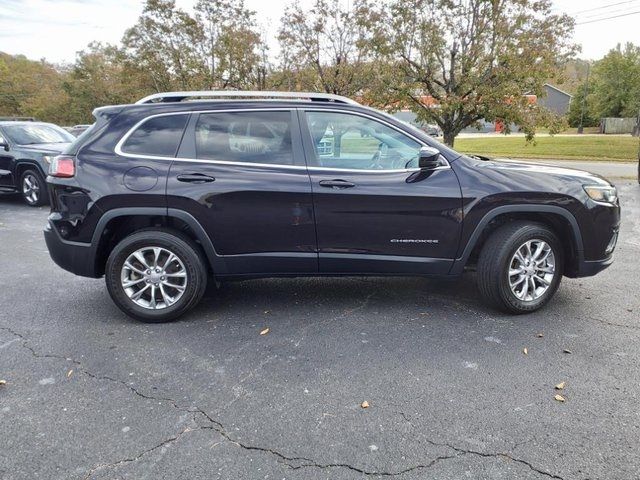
(165, 194)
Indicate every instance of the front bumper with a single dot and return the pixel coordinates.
(588, 268)
(75, 257)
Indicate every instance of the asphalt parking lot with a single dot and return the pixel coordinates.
(91, 394)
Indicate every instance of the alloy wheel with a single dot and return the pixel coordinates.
(531, 270)
(154, 278)
(31, 188)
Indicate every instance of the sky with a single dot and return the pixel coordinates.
(57, 29)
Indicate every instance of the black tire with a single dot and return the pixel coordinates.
(173, 242)
(495, 261)
(33, 188)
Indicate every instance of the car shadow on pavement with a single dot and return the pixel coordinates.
(319, 299)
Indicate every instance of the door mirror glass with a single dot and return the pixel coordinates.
(429, 158)
(4, 144)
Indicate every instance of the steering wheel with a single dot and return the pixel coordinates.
(396, 162)
(411, 160)
(375, 160)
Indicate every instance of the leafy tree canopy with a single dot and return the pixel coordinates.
(474, 58)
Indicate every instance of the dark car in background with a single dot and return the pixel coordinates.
(26, 150)
(160, 196)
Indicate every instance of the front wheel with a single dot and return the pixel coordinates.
(33, 188)
(520, 267)
(156, 275)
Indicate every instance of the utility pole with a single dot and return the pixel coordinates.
(584, 100)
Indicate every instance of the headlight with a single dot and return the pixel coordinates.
(47, 159)
(602, 194)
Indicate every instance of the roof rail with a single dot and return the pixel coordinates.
(179, 96)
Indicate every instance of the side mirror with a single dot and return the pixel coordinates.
(4, 144)
(429, 158)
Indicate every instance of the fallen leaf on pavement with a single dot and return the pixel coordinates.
(3, 382)
(559, 398)
(566, 350)
(525, 351)
(364, 404)
(540, 335)
(265, 331)
(560, 386)
(69, 373)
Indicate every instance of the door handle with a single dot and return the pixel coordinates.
(337, 184)
(195, 178)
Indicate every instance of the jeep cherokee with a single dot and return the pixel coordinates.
(162, 195)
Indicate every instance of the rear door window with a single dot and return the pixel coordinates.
(245, 137)
(157, 136)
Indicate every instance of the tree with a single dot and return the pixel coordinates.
(584, 109)
(33, 89)
(328, 47)
(232, 49)
(474, 58)
(165, 44)
(616, 82)
(572, 75)
(102, 76)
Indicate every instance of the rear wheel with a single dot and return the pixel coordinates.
(156, 275)
(33, 188)
(520, 267)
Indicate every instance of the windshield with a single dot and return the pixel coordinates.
(27, 134)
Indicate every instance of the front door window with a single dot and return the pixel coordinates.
(347, 141)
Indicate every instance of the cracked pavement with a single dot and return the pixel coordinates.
(93, 395)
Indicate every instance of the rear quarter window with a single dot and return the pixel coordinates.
(157, 136)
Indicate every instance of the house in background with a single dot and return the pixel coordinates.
(555, 100)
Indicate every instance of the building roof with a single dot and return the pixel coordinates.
(558, 90)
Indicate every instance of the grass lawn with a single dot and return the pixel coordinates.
(588, 147)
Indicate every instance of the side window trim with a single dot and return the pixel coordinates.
(311, 153)
(186, 152)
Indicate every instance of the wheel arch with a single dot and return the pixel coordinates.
(559, 219)
(23, 164)
(116, 224)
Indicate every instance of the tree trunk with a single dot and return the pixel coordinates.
(449, 137)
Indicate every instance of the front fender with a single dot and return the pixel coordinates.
(470, 243)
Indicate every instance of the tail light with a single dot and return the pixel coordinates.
(62, 166)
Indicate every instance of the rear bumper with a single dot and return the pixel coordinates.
(75, 257)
